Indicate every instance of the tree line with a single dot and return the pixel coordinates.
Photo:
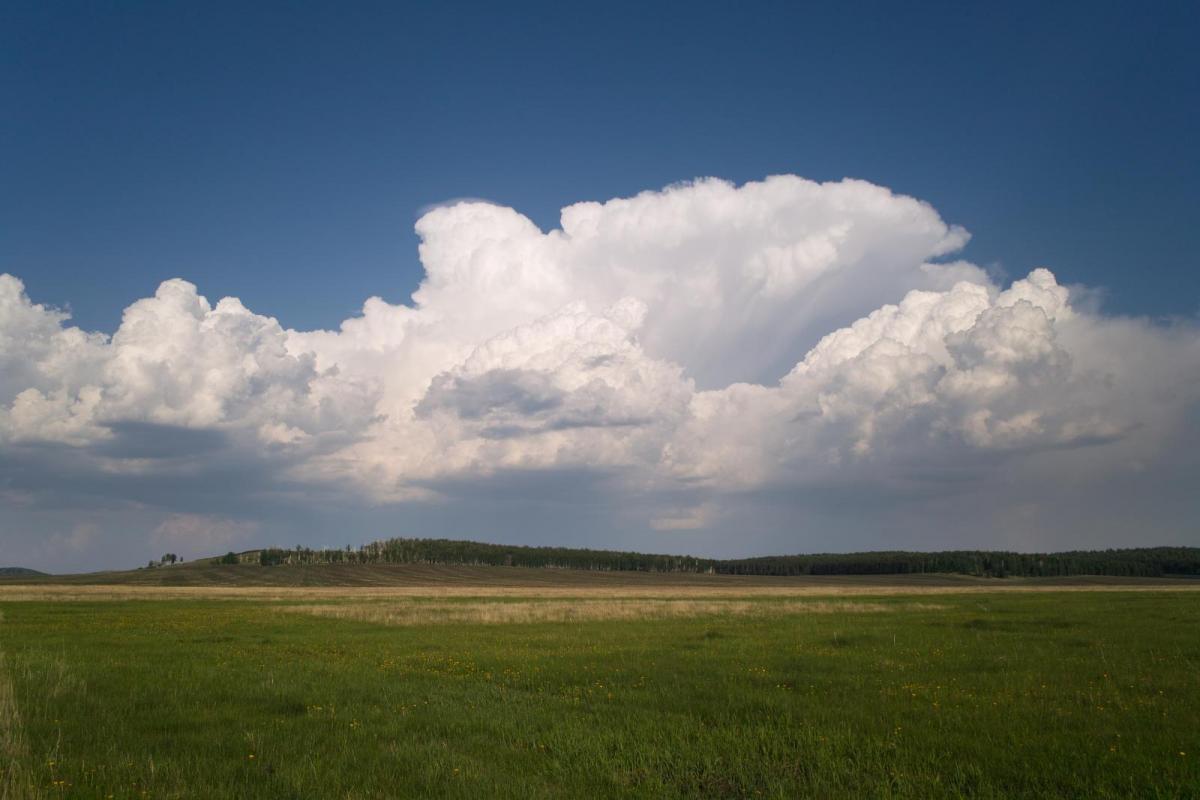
(466, 553)
(1142, 562)
(1131, 562)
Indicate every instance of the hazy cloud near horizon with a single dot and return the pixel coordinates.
(780, 366)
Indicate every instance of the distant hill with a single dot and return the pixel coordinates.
(19, 572)
(446, 562)
(1132, 562)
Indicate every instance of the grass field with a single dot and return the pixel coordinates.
(858, 689)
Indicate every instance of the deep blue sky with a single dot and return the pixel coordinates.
(281, 153)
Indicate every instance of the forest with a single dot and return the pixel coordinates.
(1131, 562)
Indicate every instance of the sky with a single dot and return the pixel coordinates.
(708, 278)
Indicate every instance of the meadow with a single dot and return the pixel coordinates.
(689, 690)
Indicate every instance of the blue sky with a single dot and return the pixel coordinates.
(280, 153)
(730, 367)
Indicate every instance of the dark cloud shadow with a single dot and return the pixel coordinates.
(149, 440)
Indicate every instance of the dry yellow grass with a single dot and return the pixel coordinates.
(82, 592)
(499, 613)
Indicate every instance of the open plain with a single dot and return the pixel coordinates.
(501, 682)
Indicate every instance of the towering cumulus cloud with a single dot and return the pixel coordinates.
(690, 354)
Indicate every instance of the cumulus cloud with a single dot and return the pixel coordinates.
(174, 360)
(693, 344)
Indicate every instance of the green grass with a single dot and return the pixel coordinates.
(1017, 695)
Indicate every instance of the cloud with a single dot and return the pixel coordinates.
(174, 360)
(694, 346)
(684, 519)
(736, 281)
(201, 534)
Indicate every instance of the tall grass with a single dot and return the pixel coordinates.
(15, 781)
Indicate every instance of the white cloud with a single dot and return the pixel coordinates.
(174, 360)
(706, 339)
